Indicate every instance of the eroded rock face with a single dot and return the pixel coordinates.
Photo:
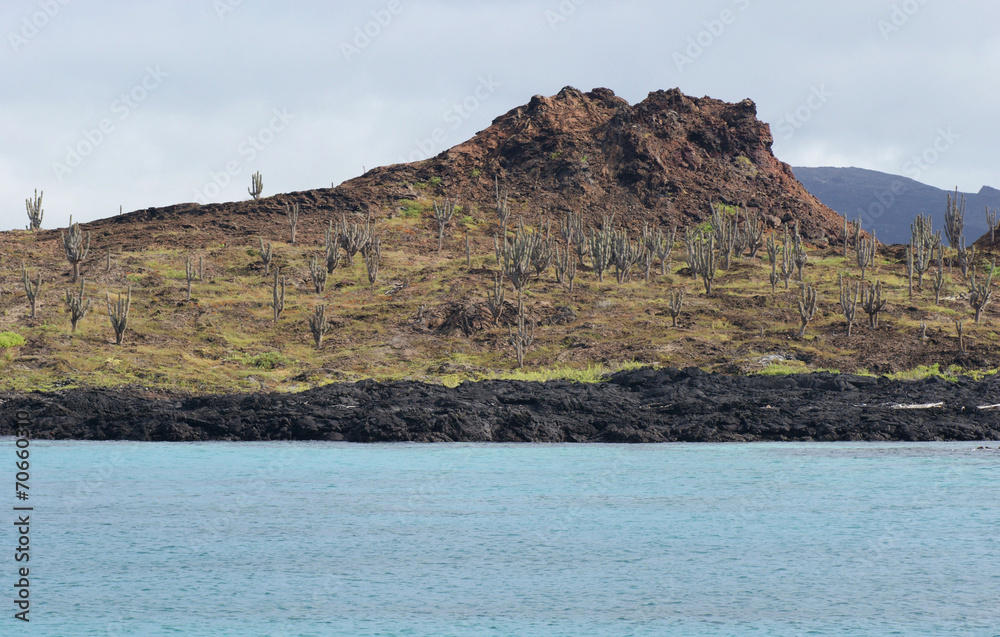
(664, 160)
(646, 405)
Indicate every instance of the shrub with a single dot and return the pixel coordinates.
(11, 339)
(266, 360)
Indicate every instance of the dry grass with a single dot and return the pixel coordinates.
(224, 338)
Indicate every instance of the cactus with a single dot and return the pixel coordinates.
(256, 186)
(573, 233)
(565, 266)
(318, 273)
(705, 258)
(443, 215)
(542, 251)
(772, 258)
(624, 254)
(786, 258)
(865, 250)
(724, 231)
(468, 251)
(980, 293)
(373, 258)
(266, 255)
(799, 255)
(189, 274)
(31, 288)
(848, 302)
(754, 232)
(807, 307)
(524, 336)
(78, 306)
(354, 237)
(954, 219)
(965, 258)
(516, 257)
(118, 313)
(292, 212)
(503, 210)
(922, 244)
(852, 228)
(332, 248)
(277, 295)
(318, 325)
(939, 276)
(495, 301)
(35, 212)
(872, 302)
(600, 248)
(674, 303)
(76, 250)
(991, 221)
(691, 237)
(960, 329)
(107, 264)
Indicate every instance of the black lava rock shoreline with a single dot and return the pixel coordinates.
(649, 405)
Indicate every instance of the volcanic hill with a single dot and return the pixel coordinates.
(664, 161)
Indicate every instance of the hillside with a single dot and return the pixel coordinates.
(888, 203)
(425, 313)
(663, 161)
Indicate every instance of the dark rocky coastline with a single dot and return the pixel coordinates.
(664, 405)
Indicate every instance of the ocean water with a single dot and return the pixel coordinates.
(287, 539)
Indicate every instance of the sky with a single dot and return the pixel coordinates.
(139, 104)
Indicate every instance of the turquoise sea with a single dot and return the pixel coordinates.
(287, 539)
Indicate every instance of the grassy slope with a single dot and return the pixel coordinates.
(224, 339)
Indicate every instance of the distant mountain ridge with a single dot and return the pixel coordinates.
(888, 203)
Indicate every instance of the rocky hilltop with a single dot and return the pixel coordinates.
(663, 161)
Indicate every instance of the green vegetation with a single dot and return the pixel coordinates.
(535, 296)
(11, 339)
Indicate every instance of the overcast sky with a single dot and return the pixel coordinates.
(143, 103)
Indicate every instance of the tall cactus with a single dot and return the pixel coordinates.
(600, 248)
(872, 302)
(706, 262)
(292, 212)
(118, 313)
(277, 295)
(865, 250)
(256, 186)
(503, 209)
(31, 288)
(674, 303)
(848, 302)
(266, 255)
(318, 273)
(318, 325)
(190, 272)
(443, 214)
(954, 219)
(76, 249)
(78, 305)
(373, 259)
(332, 248)
(807, 307)
(35, 212)
(980, 293)
(495, 301)
(939, 275)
